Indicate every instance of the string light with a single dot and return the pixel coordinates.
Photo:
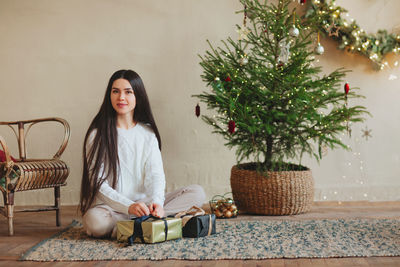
(354, 172)
(359, 41)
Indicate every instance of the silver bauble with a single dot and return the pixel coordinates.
(319, 49)
(294, 32)
(243, 61)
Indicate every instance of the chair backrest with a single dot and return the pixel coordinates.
(22, 133)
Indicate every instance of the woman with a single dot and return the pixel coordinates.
(123, 174)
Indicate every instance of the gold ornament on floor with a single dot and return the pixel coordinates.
(223, 206)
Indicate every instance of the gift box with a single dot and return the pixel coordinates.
(196, 223)
(199, 226)
(148, 229)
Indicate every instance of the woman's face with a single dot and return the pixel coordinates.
(122, 97)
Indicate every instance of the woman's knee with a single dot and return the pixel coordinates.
(198, 192)
(98, 222)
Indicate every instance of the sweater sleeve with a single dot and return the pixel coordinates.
(154, 179)
(112, 198)
(106, 193)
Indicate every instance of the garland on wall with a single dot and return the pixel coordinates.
(350, 36)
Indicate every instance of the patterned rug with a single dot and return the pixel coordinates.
(237, 240)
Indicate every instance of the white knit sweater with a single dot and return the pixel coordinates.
(140, 174)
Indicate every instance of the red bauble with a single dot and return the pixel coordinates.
(231, 126)
(302, 1)
(228, 79)
(346, 88)
(197, 110)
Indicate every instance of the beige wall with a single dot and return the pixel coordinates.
(56, 58)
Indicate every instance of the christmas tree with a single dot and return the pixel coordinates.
(271, 103)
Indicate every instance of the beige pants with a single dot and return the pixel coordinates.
(101, 220)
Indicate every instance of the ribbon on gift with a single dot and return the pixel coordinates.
(138, 231)
(188, 214)
(192, 212)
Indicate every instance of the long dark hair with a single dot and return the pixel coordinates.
(103, 149)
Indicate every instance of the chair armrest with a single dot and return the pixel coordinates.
(67, 131)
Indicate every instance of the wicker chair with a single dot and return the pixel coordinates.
(30, 174)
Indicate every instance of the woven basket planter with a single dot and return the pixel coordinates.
(281, 193)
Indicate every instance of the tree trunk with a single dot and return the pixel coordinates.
(268, 154)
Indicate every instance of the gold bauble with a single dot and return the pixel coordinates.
(218, 213)
(227, 214)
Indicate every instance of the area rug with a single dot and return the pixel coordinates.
(236, 240)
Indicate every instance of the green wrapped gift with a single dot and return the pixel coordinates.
(148, 229)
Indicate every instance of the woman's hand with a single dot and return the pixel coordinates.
(139, 209)
(156, 210)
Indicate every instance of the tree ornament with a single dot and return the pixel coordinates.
(231, 126)
(294, 32)
(346, 104)
(243, 30)
(228, 79)
(366, 133)
(217, 79)
(243, 60)
(319, 49)
(302, 2)
(284, 51)
(333, 30)
(245, 15)
(251, 14)
(197, 110)
(346, 88)
(346, 91)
